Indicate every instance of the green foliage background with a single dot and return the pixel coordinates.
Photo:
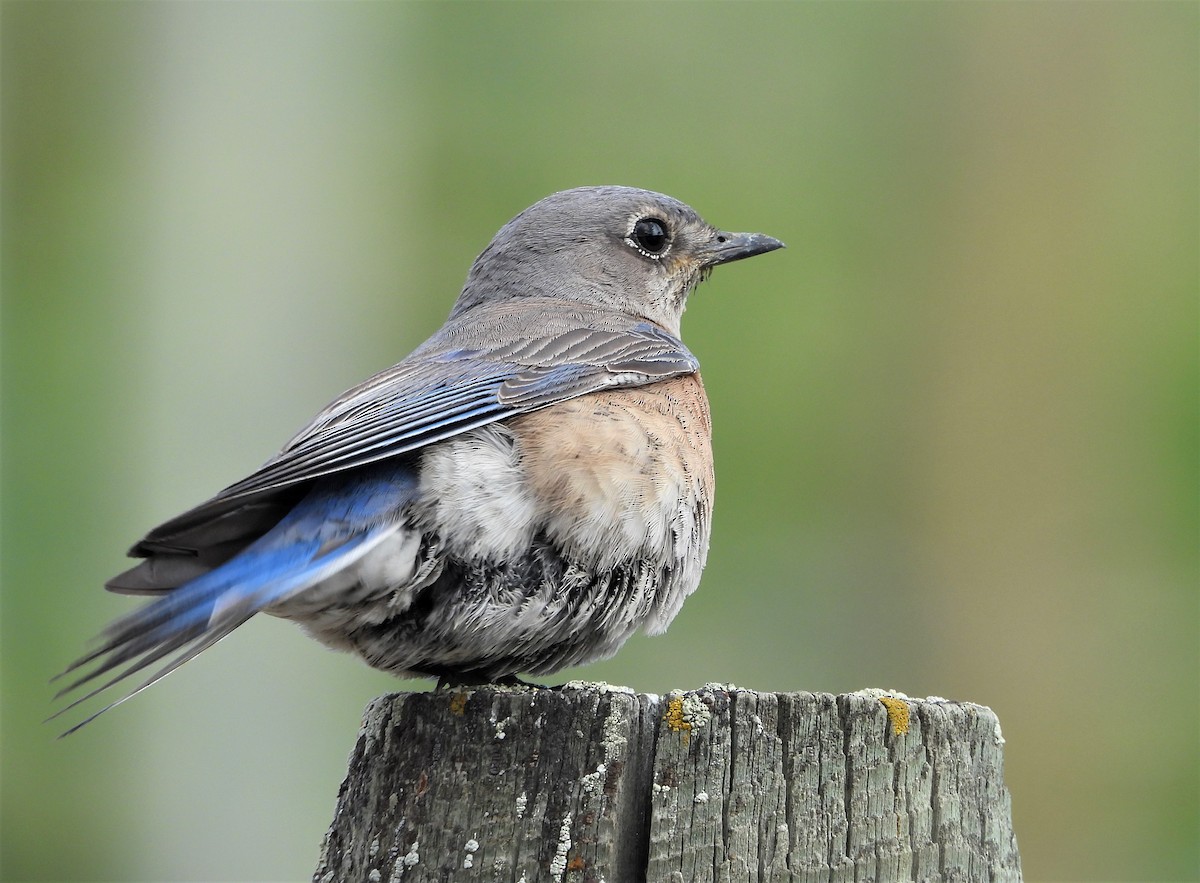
(956, 421)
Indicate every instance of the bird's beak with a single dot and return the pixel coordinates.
(726, 247)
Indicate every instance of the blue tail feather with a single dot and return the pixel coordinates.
(330, 529)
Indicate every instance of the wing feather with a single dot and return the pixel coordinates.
(434, 395)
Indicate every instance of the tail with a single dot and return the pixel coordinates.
(327, 532)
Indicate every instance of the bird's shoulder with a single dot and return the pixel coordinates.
(486, 364)
(515, 356)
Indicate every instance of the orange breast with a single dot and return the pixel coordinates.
(623, 470)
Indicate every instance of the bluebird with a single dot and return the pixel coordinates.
(522, 493)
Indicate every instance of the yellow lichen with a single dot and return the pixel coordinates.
(897, 712)
(675, 718)
(458, 703)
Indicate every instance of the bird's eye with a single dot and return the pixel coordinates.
(650, 235)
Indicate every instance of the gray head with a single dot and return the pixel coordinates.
(629, 250)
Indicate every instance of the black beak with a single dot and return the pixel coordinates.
(726, 247)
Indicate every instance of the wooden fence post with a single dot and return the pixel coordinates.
(590, 783)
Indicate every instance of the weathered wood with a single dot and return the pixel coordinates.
(592, 783)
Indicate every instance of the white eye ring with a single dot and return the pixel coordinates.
(650, 237)
(646, 254)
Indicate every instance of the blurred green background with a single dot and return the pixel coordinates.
(956, 421)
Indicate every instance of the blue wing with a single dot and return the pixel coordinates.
(320, 505)
(426, 398)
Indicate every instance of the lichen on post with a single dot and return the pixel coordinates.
(590, 782)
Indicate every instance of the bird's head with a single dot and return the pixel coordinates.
(619, 248)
